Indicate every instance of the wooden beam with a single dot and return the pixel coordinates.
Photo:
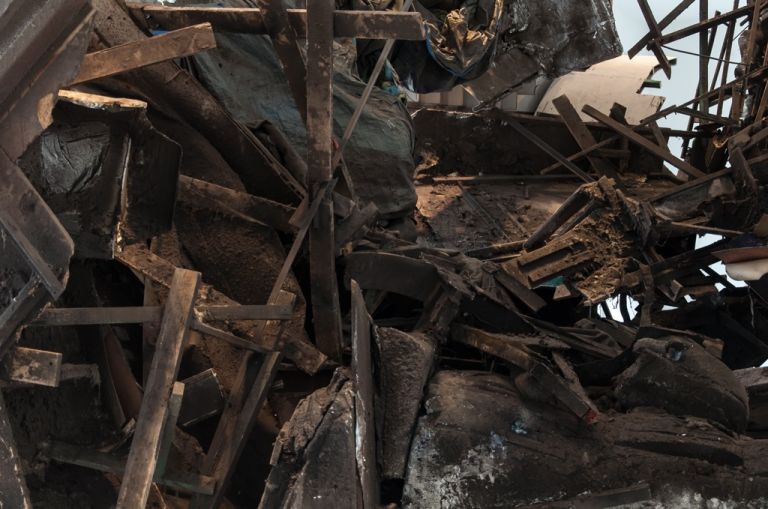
(690, 185)
(706, 25)
(664, 23)
(655, 36)
(365, 424)
(577, 201)
(581, 134)
(322, 258)
(53, 317)
(133, 55)
(637, 139)
(174, 330)
(406, 26)
(199, 193)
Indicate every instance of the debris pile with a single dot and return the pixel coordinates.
(239, 268)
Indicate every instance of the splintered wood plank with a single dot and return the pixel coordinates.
(646, 144)
(174, 330)
(362, 371)
(13, 487)
(407, 26)
(30, 366)
(581, 134)
(132, 55)
(254, 380)
(706, 25)
(322, 260)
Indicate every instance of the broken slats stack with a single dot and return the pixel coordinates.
(626, 231)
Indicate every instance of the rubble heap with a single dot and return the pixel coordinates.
(239, 269)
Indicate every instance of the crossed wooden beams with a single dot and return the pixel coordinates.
(156, 422)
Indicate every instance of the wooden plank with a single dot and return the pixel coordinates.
(31, 366)
(406, 26)
(143, 314)
(133, 55)
(690, 185)
(30, 298)
(581, 134)
(322, 259)
(706, 25)
(204, 194)
(103, 462)
(642, 142)
(365, 424)
(174, 330)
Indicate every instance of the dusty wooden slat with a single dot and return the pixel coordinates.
(322, 258)
(519, 290)
(144, 314)
(356, 24)
(247, 312)
(581, 134)
(239, 342)
(174, 330)
(664, 23)
(637, 139)
(204, 194)
(31, 366)
(362, 372)
(103, 462)
(125, 57)
(31, 297)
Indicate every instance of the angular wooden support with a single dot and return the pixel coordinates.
(646, 144)
(365, 425)
(581, 134)
(174, 330)
(169, 428)
(664, 23)
(254, 380)
(577, 201)
(133, 55)
(406, 26)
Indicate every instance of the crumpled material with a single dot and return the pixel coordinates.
(460, 46)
